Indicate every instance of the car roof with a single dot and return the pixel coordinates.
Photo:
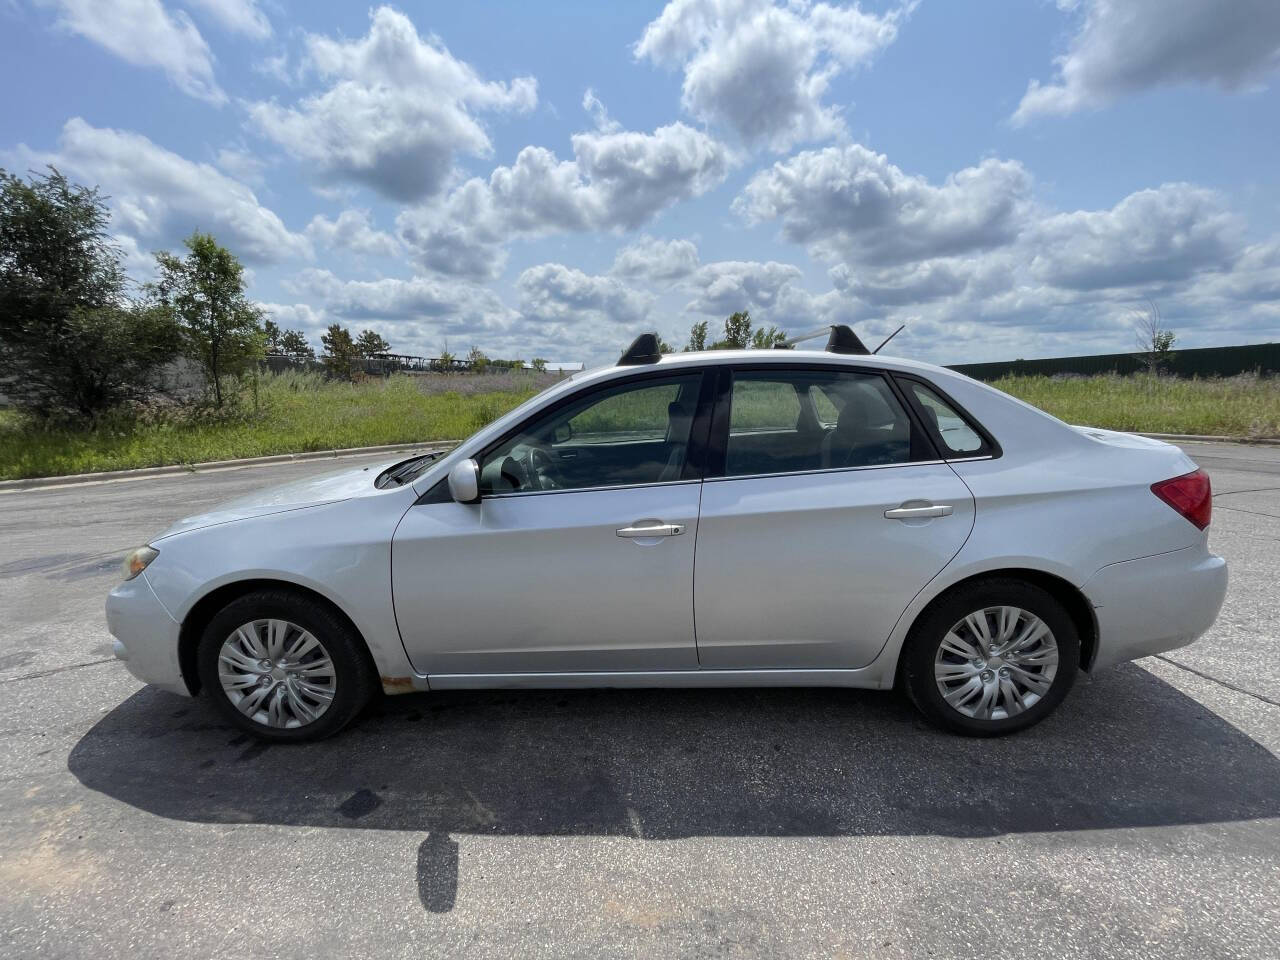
(792, 358)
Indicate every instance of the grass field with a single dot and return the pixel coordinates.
(297, 412)
(301, 412)
(1244, 406)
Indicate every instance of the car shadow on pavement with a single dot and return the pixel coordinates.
(1125, 750)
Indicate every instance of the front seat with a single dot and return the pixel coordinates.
(679, 423)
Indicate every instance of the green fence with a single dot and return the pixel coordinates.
(1200, 362)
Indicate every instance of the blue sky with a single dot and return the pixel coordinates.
(1011, 179)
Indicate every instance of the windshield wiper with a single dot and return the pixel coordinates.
(406, 470)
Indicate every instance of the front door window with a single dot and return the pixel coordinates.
(635, 433)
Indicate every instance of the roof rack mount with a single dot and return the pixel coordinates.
(644, 349)
(840, 339)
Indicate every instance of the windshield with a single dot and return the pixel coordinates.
(407, 471)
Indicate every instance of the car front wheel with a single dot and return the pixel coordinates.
(284, 667)
(991, 658)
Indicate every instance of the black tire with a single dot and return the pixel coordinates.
(921, 649)
(353, 673)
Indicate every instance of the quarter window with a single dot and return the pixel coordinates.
(958, 437)
(790, 421)
(634, 433)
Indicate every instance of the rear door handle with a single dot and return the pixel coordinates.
(919, 513)
(648, 528)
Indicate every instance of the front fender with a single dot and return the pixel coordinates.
(341, 551)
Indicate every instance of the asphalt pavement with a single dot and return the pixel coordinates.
(1141, 820)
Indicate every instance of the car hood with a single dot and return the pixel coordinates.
(309, 492)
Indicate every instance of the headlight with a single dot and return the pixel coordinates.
(136, 561)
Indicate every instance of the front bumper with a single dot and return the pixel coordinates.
(1155, 604)
(146, 637)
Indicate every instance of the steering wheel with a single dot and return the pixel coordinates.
(540, 468)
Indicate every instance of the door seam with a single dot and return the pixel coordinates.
(693, 577)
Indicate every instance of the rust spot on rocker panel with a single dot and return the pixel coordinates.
(397, 684)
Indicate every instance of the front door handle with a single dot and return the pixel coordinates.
(919, 513)
(651, 528)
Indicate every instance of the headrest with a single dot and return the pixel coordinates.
(853, 416)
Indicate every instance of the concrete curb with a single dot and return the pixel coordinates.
(1194, 438)
(143, 473)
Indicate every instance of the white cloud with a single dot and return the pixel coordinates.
(241, 164)
(599, 115)
(160, 197)
(1126, 46)
(238, 16)
(658, 261)
(352, 230)
(730, 285)
(398, 109)
(449, 306)
(616, 181)
(762, 70)
(138, 263)
(909, 284)
(1152, 236)
(979, 269)
(850, 203)
(552, 291)
(298, 316)
(143, 33)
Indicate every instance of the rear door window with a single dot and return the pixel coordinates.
(790, 421)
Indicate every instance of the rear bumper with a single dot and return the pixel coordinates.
(1155, 604)
(146, 637)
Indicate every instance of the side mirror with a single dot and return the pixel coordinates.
(464, 482)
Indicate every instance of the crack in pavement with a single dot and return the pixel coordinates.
(1225, 683)
(48, 673)
(1252, 513)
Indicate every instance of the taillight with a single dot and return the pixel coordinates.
(1189, 494)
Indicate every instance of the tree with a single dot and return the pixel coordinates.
(370, 344)
(737, 332)
(479, 362)
(539, 365)
(204, 291)
(763, 339)
(1155, 340)
(664, 347)
(340, 352)
(697, 337)
(293, 344)
(71, 341)
(444, 362)
(272, 334)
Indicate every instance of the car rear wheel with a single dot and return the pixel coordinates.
(284, 667)
(991, 658)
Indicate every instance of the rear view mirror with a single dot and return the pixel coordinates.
(562, 433)
(464, 482)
